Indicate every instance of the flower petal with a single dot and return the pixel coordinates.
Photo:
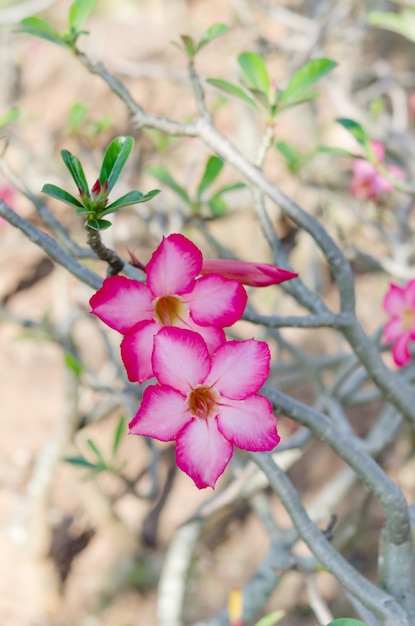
(216, 301)
(393, 329)
(409, 294)
(394, 300)
(174, 266)
(214, 337)
(254, 274)
(121, 303)
(202, 452)
(239, 368)
(400, 350)
(136, 351)
(180, 358)
(249, 424)
(162, 414)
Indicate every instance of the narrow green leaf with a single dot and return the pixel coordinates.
(213, 168)
(217, 205)
(262, 98)
(232, 90)
(216, 30)
(73, 364)
(101, 461)
(306, 77)
(119, 432)
(289, 153)
(78, 460)
(402, 23)
(78, 12)
(163, 175)
(98, 224)
(132, 197)
(40, 28)
(114, 160)
(189, 46)
(231, 187)
(355, 129)
(76, 170)
(77, 115)
(10, 116)
(337, 151)
(255, 71)
(60, 194)
(271, 618)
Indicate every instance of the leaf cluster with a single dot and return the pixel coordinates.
(93, 203)
(216, 203)
(257, 90)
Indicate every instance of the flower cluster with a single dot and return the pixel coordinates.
(399, 303)
(368, 182)
(206, 396)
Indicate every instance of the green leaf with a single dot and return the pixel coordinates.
(76, 170)
(73, 364)
(119, 432)
(231, 187)
(356, 130)
(101, 461)
(163, 175)
(337, 151)
(78, 12)
(78, 460)
(115, 158)
(255, 71)
(217, 205)
(262, 98)
(77, 116)
(132, 197)
(216, 30)
(213, 168)
(60, 194)
(189, 46)
(98, 224)
(402, 23)
(271, 618)
(40, 28)
(305, 78)
(10, 116)
(289, 153)
(232, 90)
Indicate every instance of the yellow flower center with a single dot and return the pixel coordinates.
(203, 402)
(169, 310)
(407, 318)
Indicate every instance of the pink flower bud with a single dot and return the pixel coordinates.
(254, 274)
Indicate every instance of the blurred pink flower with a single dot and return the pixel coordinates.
(207, 404)
(399, 302)
(7, 194)
(254, 274)
(173, 296)
(368, 183)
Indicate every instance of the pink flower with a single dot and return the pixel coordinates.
(207, 404)
(399, 302)
(254, 274)
(368, 183)
(173, 296)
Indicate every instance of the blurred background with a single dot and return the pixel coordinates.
(84, 545)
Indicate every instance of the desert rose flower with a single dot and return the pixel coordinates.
(254, 274)
(207, 404)
(368, 183)
(172, 296)
(399, 302)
